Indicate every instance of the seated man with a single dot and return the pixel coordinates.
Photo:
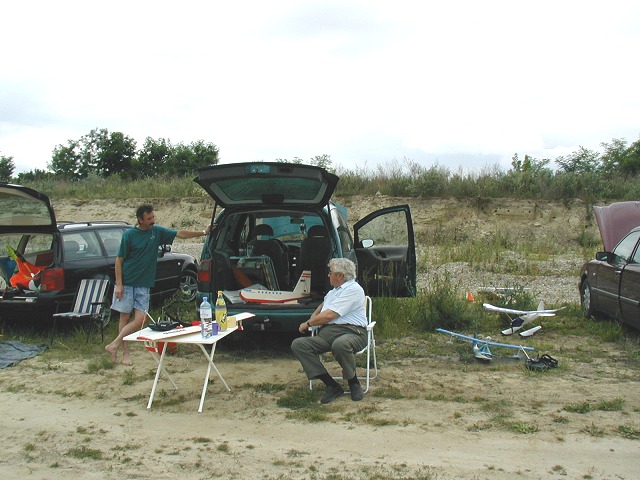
(343, 332)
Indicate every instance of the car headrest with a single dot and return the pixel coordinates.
(317, 231)
(263, 230)
(71, 246)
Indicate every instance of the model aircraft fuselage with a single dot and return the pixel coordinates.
(301, 290)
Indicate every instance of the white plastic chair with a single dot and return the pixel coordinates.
(369, 350)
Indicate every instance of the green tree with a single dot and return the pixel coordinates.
(204, 155)
(7, 167)
(115, 155)
(186, 159)
(152, 158)
(630, 163)
(614, 155)
(66, 160)
(181, 156)
(91, 146)
(582, 161)
(323, 161)
(35, 175)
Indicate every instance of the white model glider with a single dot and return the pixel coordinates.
(523, 317)
(302, 290)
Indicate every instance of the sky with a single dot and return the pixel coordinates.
(458, 84)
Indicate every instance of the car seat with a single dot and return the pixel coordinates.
(274, 249)
(315, 253)
(71, 249)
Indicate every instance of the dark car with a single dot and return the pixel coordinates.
(610, 284)
(60, 254)
(276, 221)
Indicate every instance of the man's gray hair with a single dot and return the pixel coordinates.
(344, 266)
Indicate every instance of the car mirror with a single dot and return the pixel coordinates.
(367, 243)
(604, 256)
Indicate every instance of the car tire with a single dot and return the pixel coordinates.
(586, 299)
(188, 286)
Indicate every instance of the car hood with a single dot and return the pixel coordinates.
(267, 184)
(616, 220)
(23, 209)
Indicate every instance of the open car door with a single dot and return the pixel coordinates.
(386, 253)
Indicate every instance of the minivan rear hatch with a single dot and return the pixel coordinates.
(267, 184)
(24, 210)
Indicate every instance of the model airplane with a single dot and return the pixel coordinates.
(481, 346)
(523, 317)
(302, 290)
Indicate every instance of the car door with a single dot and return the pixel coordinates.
(630, 291)
(385, 250)
(606, 284)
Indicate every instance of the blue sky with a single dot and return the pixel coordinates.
(463, 84)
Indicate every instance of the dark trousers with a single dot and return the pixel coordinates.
(344, 341)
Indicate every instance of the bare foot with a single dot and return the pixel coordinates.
(126, 360)
(113, 351)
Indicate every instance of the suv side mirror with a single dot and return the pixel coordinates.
(604, 256)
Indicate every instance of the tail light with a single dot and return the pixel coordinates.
(204, 271)
(52, 279)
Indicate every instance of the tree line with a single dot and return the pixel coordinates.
(587, 174)
(104, 154)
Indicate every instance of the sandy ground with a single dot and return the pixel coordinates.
(426, 416)
(432, 413)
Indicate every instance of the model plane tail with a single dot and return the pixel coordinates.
(303, 287)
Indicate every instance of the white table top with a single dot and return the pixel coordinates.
(146, 334)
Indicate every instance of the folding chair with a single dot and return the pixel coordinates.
(90, 304)
(370, 349)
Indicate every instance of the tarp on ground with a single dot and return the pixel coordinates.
(13, 352)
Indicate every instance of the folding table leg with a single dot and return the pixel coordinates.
(160, 369)
(208, 374)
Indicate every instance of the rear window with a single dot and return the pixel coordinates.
(252, 189)
(17, 208)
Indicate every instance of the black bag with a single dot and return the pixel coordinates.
(542, 363)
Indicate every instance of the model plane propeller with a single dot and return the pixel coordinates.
(523, 317)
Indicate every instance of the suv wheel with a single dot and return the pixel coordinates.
(188, 286)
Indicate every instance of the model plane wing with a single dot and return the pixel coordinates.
(474, 340)
(541, 313)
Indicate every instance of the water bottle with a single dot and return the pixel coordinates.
(206, 318)
(221, 312)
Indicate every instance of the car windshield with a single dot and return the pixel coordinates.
(624, 249)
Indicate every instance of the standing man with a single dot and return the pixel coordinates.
(136, 274)
(343, 331)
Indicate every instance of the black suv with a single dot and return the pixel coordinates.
(63, 253)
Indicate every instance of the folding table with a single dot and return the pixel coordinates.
(187, 335)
